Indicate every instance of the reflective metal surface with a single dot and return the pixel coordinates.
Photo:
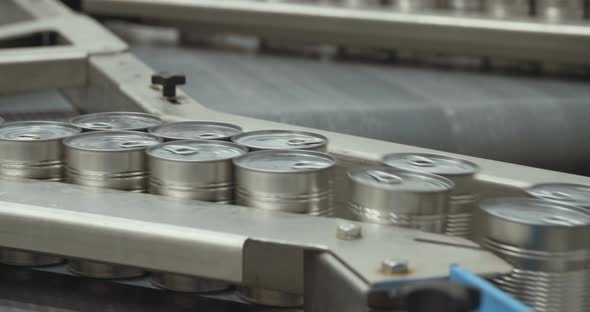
(109, 159)
(282, 140)
(113, 121)
(196, 130)
(33, 149)
(461, 172)
(288, 181)
(201, 170)
(548, 246)
(388, 196)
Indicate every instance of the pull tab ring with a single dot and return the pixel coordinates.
(384, 177)
(28, 136)
(307, 165)
(304, 141)
(554, 195)
(208, 135)
(181, 150)
(98, 125)
(134, 144)
(421, 161)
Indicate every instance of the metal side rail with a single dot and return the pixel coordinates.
(230, 243)
(518, 39)
(59, 58)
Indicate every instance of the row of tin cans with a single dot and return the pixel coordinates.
(548, 10)
(201, 130)
(434, 193)
(189, 169)
(543, 238)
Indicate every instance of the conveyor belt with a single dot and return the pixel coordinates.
(528, 120)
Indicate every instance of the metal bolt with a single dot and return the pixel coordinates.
(350, 231)
(168, 81)
(392, 266)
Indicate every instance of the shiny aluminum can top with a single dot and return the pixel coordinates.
(430, 163)
(33, 149)
(36, 131)
(114, 121)
(285, 161)
(292, 181)
(194, 169)
(535, 224)
(196, 130)
(281, 140)
(389, 179)
(575, 194)
(386, 195)
(460, 171)
(111, 141)
(196, 151)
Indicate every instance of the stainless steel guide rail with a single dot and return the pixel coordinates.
(231, 243)
(517, 38)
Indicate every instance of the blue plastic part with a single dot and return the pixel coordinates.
(492, 298)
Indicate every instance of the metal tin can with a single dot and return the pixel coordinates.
(575, 194)
(194, 169)
(547, 244)
(102, 270)
(108, 159)
(196, 130)
(559, 11)
(509, 8)
(32, 149)
(288, 181)
(461, 172)
(183, 283)
(402, 198)
(282, 140)
(413, 5)
(283, 180)
(270, 297)
(464, 6)
(116, 121)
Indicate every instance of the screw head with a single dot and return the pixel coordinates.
(350, 231)
(393, 266)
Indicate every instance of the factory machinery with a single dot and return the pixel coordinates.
(252, 215)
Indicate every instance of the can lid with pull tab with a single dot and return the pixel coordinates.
(535, 224)
(281, 140)
(285, 161)
(576, 194)
(112, 121)
(36, 131)
(196, 151)
(431, 163)
(196, 130)
(390, 179)
(112, 141)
